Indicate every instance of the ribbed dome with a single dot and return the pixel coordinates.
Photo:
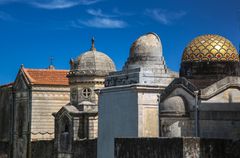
(95, 61)
(210, 48)
(92, 62)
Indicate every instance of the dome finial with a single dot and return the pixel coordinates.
(51, 66)
(93, 44)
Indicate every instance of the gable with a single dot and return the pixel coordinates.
(67, 110)
(188, 97)
(21, 82)
(178, 83)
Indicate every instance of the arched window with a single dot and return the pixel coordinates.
(65, 138)
(66, 129)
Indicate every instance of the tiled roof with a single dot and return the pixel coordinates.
(46, 76)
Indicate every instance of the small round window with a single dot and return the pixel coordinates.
(86, 92)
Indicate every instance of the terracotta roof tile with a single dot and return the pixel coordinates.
(47, 76)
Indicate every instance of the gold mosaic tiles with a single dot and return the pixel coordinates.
(210, 48)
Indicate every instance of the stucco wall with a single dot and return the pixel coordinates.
(126, 111)
(118, 117)
(45, 101)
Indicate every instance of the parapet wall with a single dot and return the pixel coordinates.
(4, 149)
(42, 149)
(176, 148)
(85, 149)
(45, 149)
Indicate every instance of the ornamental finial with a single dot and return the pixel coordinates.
(93, 44)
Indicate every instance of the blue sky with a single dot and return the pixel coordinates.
(31, 31)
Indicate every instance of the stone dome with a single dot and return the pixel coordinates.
(146, 45)
(92, 62)
(210, 48)
(173, 105)
(146, 49)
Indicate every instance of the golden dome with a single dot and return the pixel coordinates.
(210, 48)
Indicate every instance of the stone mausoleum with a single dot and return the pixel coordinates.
(78, 120)
(128, 105)
(27, 105)
(205, 100)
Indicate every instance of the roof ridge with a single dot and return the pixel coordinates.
(46, 69)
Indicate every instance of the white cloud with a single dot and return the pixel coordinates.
(55, 4)
(101, 23)
(99, 13)
(52, 4)
(163, 16)
(120, 13)
(115, 13)
(5, 16)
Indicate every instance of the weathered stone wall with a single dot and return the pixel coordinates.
(42, 149)
(5, 112)
(4, 150)
(85, 149)
(81, 149)
(176, 148)
(21, 118)
(148, 148)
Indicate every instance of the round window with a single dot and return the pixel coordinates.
(86, 92)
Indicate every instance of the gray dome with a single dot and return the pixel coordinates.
(146, 45)
(93, 62)
(146, 49)
(173, 105)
